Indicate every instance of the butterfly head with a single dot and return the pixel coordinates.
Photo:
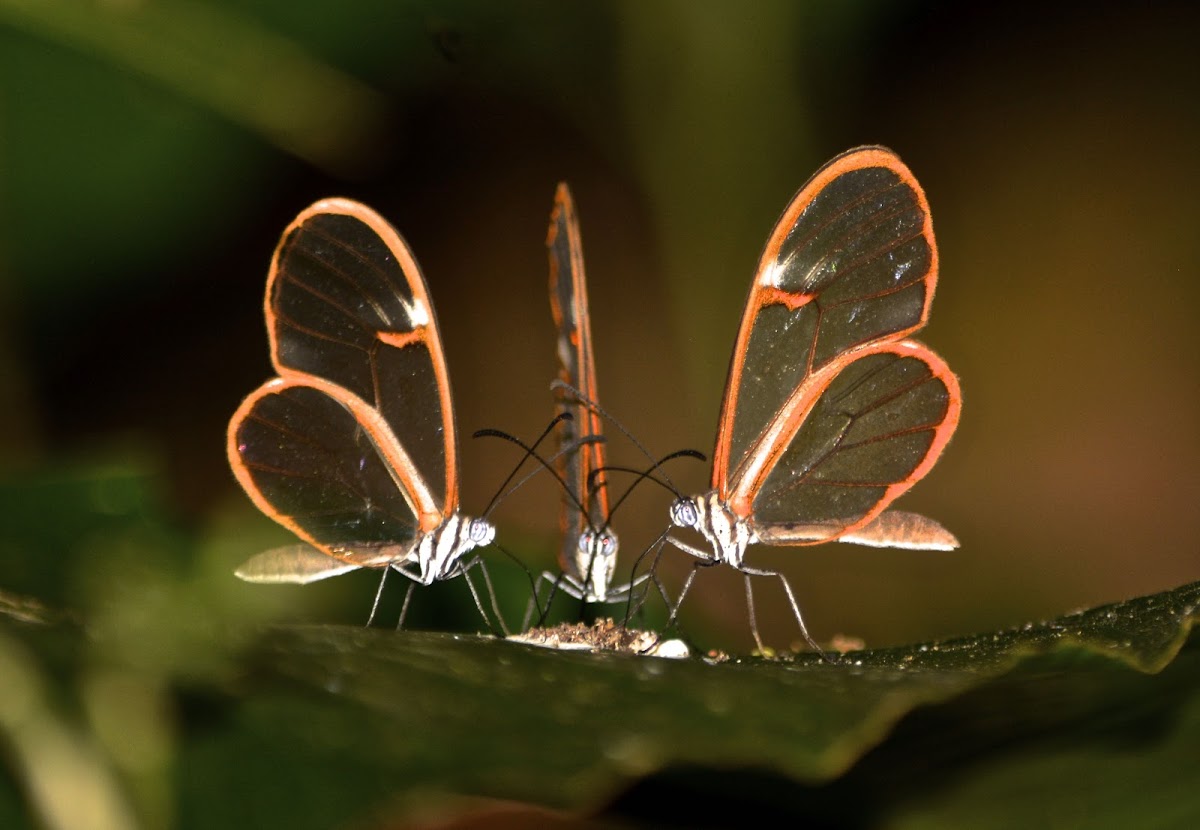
(596, 562)
(440, 552)
(685, 512)
(726, 533)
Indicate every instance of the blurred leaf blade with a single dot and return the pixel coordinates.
(223, 60)
(316, 725)
(567, 729)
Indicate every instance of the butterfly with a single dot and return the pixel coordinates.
(830, 413)
(353, 446)
(588, 556)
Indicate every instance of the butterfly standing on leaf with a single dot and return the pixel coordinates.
(829, 413)
(588, 556)
(353, 446)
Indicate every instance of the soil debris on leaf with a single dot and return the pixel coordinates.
(602, 635)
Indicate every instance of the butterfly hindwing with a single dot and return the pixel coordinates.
(305, 564)
(851, 261)
(346, 302)
(321, 463)
(858, 434)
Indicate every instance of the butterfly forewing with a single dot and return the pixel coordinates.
(346, 302)
(568, 303)
(851, 261)
(857, 435)
(320, 466)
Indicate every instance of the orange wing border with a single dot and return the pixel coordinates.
(425, 332)
(763, 292)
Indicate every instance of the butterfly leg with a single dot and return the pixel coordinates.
(687, 586)
(749, 572)
(475, 595)
(703, 560)
(658, 583)
(414, 578)
(654, 551)
(558, 582)
(535, 602)
(753, 615)
(487, 579)
(404, 608)
(627, 595)
(653, 575)
(378, 596)
(654, 580)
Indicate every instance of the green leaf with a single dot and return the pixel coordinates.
(410, 714)
(159, 681)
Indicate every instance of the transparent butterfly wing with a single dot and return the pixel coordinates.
(829, 413)
(320, 463)
(867, 428)
(346, 302)
(851, 261)
(577, 369)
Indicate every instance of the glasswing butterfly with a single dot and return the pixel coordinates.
(588, 556)
(353, 447)
(830, 414)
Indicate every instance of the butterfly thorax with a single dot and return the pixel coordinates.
(439, 552)
(727, 533)
(594, 562)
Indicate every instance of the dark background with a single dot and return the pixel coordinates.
(150, 155)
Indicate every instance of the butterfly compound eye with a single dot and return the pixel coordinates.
(684, 513)
(482, 532)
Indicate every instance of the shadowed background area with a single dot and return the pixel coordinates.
(151, 154)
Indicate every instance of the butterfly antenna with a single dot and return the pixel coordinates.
(530, 452)
(656, 547)
(574, 446)
(597, 408)
(528, 574)
(647, 474)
